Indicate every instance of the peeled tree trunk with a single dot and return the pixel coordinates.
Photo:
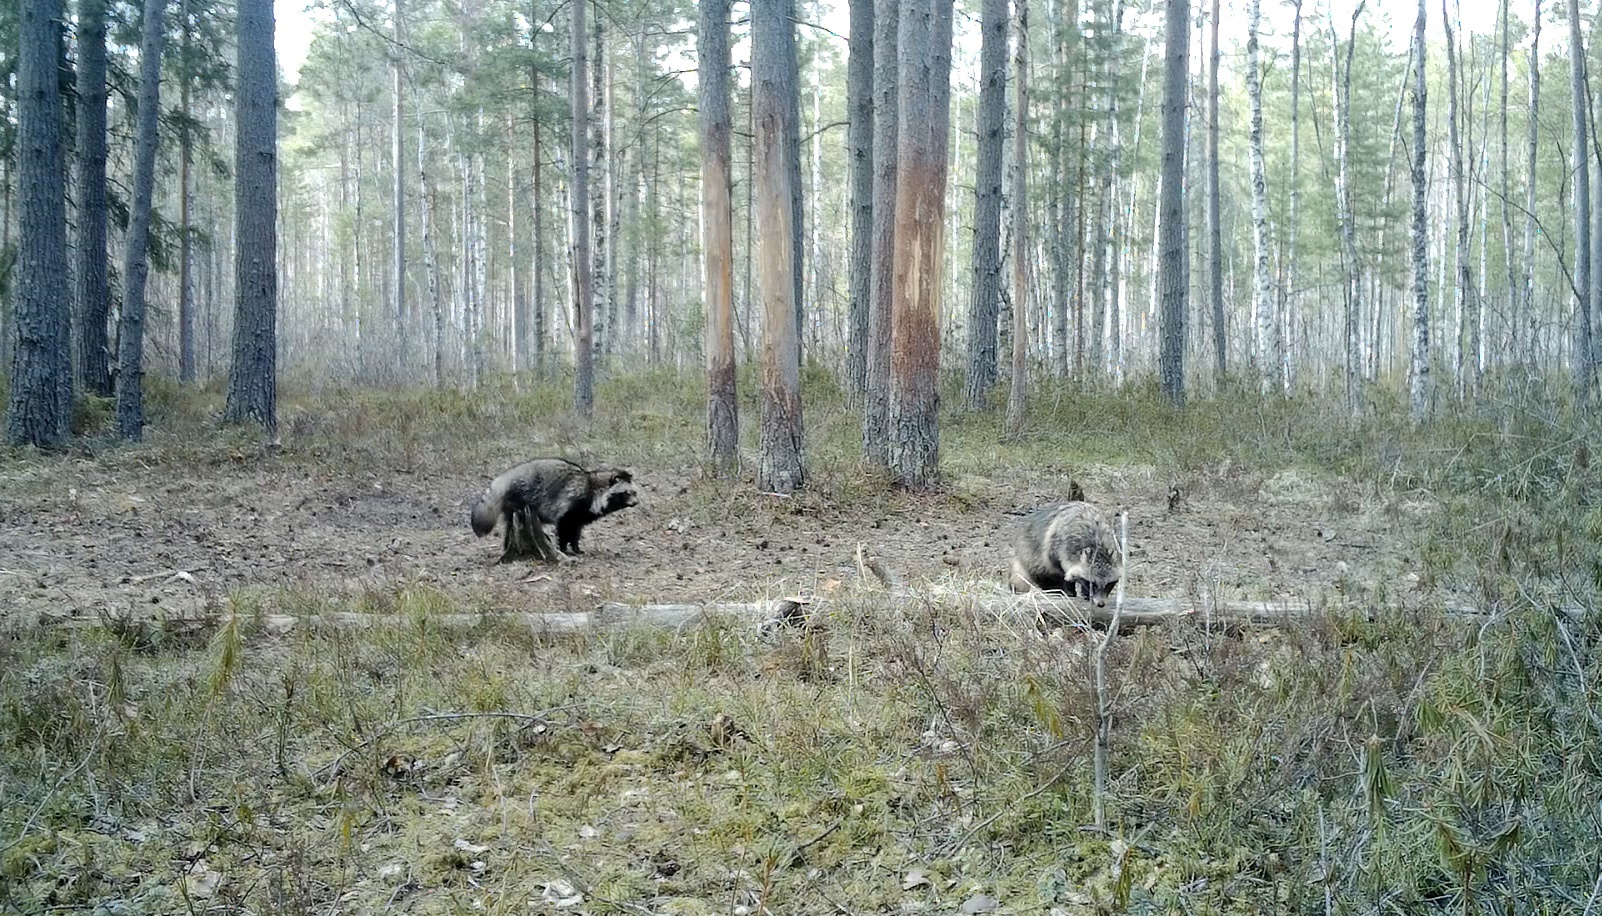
(984, 306)
(1419, 369)
(780, 469)
(136, 260)
(886, 127)
(717, 235)
(252, 380)
(925, 86)
(1262, 299)
(39, 411)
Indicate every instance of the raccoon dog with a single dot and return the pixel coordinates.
(1068, 548)
(551, 491)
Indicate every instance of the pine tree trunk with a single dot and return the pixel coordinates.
(924, 76)
(1171, 251)
(1291, 293)
(1419, 370)
(985, 303)
(579, 188)
(39, 411)
(1267, 362)
(186, 192)
(430, 249)
(1215, 235)
(717, 226)
(398, 202)
(859, 94)
(781, 466)
(1581, 163)
(252, 379)
(537, 249)
(886, 100)
(136, 259)
(1020, 219)
(1068, 264)
(94, 369)
(792, 160)
(1527, 279)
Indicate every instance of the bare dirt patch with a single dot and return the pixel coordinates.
(80, 537)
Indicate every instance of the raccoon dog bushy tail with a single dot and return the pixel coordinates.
(552, 491)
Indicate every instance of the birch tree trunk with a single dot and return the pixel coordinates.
(985, 303)
(579, 192)
(39, 410)
(252, 379)
(859, 95)
(781, 468)
(1419, 370)
(1343, 208)
(1215, 235)
(1171, 253)
(886, 127)
(717, 240)
(1267, 363)
(925, 86)
(1460, 202)
(1291, 294)
(136, 258)
(94, 369)
(1020, 224)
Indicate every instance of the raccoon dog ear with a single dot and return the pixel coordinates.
(621, 476)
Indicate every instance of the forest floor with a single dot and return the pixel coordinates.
(894, 758)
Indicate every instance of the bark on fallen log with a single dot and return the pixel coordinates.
(796, 610)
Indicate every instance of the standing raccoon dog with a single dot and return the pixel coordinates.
(1068, 548)
(550, 491)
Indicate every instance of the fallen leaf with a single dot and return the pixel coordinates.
(201, 882)
(979, 903)
(560, 893)
(914, 879)
(469, 848)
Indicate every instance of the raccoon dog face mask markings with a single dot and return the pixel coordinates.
(1068, 548)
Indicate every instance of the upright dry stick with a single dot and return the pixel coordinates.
(1103, 704)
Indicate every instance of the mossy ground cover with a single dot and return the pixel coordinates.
(903, 755)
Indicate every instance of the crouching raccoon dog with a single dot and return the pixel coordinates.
(1069, 548)
(550, 491)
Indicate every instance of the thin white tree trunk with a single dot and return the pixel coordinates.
(1267, 363)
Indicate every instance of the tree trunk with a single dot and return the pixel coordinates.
(1267, 362)
(1419, 370)
(1460, 201)
(398, 152)
(186, 192)
(40, 401)
(537, 249)
(1171, 251)
(717, 240)
(772, 39)
(984, 306)
(136, 259)
(1020, 219)
(859, 94)
(600, 199)
(1067, 260)
(1527, 280)
(1581, 163)
(1343, 207)
(1215, 235)
(94, 294)
(252, 379)
(579, 188)
(886, 127)
(924, 74)
(792, 162)
(1291, 294)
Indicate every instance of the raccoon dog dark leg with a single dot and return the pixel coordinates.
(567, 535)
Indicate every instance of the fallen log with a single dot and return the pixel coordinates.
(1019, 609)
